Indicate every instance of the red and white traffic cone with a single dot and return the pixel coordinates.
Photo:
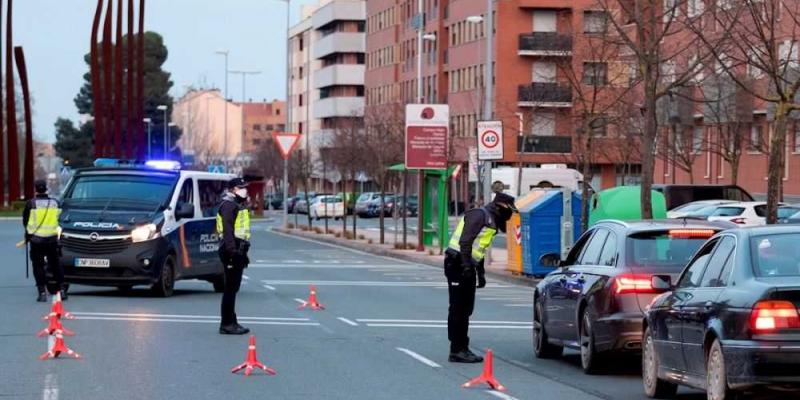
(252, 361)
(312, 302)
(53, 326)
(58, 308)
(487, 376)
(58, 348)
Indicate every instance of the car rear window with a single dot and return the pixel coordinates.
(667, 249)
(787, 212)
(776, 255)
(727, 212)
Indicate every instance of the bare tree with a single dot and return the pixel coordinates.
(300, 170)
(349, 155)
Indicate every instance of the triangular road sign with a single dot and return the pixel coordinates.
(286, 142)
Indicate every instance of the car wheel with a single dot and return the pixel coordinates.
(219, 284)
(653, 386)
(541, 347)
(166, 282)
(590, 358)
(716, 375)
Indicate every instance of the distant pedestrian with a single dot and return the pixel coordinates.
(233, 226)
(464, 268)
(40, 219)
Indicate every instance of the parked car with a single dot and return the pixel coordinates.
(274, 200)
(327, 206)
(677, 195)
(293, 201)
(594, 301)
(750, 213)
(350, 200)
(789, 214)
(731, 320)
(301, 206)
(389, 204)
(362, 208)
(689, 209)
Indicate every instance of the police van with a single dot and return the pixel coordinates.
(130, 224)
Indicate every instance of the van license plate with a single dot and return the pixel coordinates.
(92, 262)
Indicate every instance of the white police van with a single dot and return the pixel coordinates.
(125, 224)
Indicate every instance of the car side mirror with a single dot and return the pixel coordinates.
(184, 210)
(550, 260)
(661, 282)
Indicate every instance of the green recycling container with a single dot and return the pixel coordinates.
(623, 203)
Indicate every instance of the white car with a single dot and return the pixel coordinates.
(327, 207)
(689, 209)
(748, 213)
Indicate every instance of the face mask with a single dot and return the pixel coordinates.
(241, 193)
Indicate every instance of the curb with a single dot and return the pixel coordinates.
(371, 249)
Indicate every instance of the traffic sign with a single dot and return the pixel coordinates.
(216, 169)
(286, 142)
(427, 131)
(490, 140)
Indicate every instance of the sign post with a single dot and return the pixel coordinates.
(427, 132)
(286, 143)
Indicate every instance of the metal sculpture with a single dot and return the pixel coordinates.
(11, 111)
(108, 86)
(98, 97)
(19, 57)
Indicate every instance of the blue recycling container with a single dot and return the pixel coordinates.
(541, 229)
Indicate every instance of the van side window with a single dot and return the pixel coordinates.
(210, 195)
(186, 195)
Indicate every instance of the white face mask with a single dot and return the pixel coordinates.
(241, 193)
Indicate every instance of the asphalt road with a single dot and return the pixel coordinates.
(382, 336)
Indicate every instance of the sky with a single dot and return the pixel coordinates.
(55, 35)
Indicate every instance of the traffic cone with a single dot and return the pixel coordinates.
(58, 308)
(54, 326)
(312, 301)
(487, 376)
(58, 348)
(252, 361)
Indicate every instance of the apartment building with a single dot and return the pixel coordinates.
(260, 120)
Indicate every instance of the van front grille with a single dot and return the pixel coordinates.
(100, 246)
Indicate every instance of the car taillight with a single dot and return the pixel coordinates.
(768, 316)
(633, 284)
(739, 221)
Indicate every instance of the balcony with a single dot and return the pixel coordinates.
(332, 107)
(339, 11)
(544, 95)
(340, 42)
(544, 144)
(339, 75)
(546, 44)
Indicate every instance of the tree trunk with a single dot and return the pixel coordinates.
(353, 193)
(648, 143)
(383, 204)
(775, 172)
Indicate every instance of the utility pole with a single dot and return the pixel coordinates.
(489, 94)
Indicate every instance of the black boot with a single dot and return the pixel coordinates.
(233, 329)
(64, 295)
(42, 295)
(465, 356)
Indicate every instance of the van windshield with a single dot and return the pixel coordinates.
(119, 191)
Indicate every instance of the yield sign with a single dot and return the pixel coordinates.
(286, 142)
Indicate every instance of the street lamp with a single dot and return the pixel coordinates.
(288, 114)
(225, 95)
(475, 20)
(244, 81)
(164, 108)
(149, 122)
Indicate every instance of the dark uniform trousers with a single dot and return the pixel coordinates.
(462, 302)
(234, 265)
(45, 254)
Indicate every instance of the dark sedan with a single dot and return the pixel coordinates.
(731, 321)
(594, 302)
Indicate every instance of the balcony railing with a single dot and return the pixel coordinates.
(545, 44)
(544, 144)
(540, 94)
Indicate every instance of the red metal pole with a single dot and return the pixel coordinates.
(19, 56)
(130, 131)
(2, 131)
(97, 89)
(119, 87)
(11, 112)
(140, 101)
(108, 84)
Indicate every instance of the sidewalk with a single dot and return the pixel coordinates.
(368, 243)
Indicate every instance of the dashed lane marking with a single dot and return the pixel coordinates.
(330, 265)
(347, 321)
(442, 321)
(419, 358)
(187, 316)
(301, 301)
(445, 326)
(519, 305)
(500, 395)
(197, 321)
(361, 283)
(269, 287)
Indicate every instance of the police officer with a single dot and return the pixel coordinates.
(463, 261)
(233, 226)
(40, 219)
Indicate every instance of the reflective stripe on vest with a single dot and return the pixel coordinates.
(241, 228)
(43, 220)
(479, 246)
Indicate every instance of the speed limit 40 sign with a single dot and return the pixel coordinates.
(490, 140)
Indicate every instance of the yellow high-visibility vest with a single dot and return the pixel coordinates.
(482, 242)
(43, 220)
(241, 228)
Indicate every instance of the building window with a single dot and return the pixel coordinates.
(299, 127)
(695, 8)
(300, 100)
(797, 139)
(301, 72)
(697, 140)
(756, 138)
(595, 73)
(599, 125)
(595, 21)
(256, 142)
(257, 127)
(300, 44)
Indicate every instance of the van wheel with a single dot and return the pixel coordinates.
(219, 284)
(166, 282)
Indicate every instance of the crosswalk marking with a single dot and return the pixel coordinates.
(362, 283)
(419, 358)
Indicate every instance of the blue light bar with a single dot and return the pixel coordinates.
(106, 162)
(164, 164)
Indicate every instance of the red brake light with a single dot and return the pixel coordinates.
(739, 221)
(691, 233)
(633, 284)
(768, 316)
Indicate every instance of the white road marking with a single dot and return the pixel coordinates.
(197, 321)
(424, 321)
(245, 277)
(330, 265)
(419, 358)
(347, 321)
(269, 287)
(445, 326)
(500, 395)
(215, 317)
(50, 389)
(360, 283)
(301, 301)
(519, 305)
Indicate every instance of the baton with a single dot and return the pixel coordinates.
(27, 264)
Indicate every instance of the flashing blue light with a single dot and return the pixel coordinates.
(163, 164)
(106, 162)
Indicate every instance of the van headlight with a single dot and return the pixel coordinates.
(144, 232)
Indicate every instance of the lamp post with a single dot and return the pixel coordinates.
(477, 19)
(149, 122)
(244, 81)
(288, 115)
(421, 37)
(225, 95)
(168, 139)
(488, 84)
(166, 123)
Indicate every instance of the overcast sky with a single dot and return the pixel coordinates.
(56, 33)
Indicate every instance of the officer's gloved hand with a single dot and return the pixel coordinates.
(481, 281)
(468, 270)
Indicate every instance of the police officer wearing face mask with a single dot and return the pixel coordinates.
(233, 226)
(40, 218)
(464, 268)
